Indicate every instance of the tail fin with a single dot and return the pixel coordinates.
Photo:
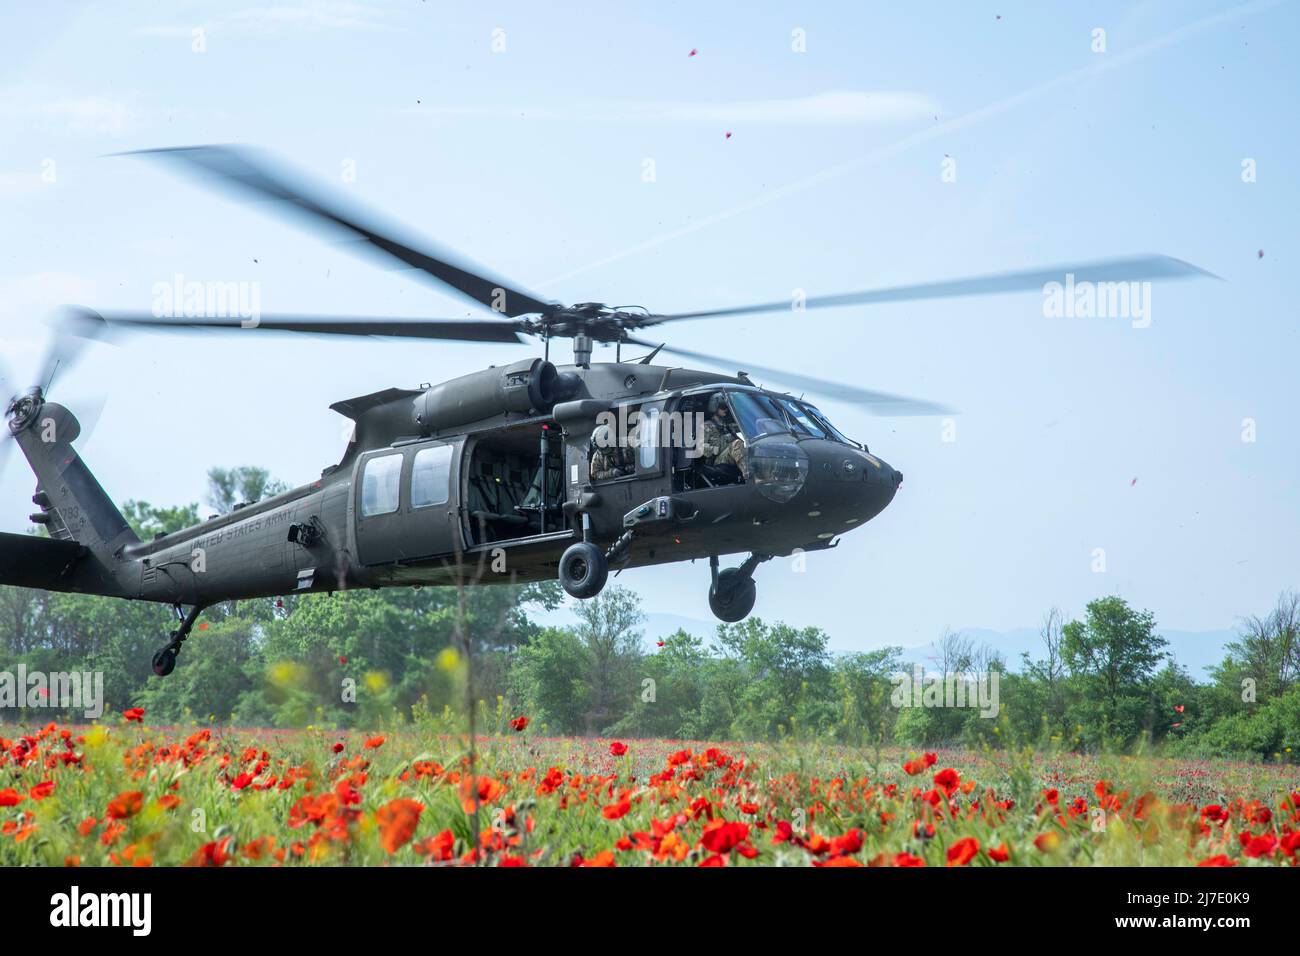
(74, 508)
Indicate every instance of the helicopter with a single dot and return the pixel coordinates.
(492, 475)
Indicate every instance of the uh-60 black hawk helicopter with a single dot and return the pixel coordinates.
(494, 469)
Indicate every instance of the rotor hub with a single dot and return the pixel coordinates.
(23, 409)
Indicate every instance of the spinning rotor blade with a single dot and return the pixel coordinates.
(253, 174)
(877, 403)
(72, 331)
(1130, 269)
(463, 330)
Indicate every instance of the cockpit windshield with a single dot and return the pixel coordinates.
(822, 420)
(757, 414)
(801, 421)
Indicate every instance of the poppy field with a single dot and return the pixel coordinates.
(126, 794)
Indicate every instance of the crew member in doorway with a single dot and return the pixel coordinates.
(608, 458)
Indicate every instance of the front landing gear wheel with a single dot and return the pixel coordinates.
(583, 570)
(733, 596)
(164, 661)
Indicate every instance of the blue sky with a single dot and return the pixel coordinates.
(531, 159)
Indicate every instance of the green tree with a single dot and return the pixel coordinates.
(1113, 654)
(863, 685)
(549, 680)
(245, 484)
(788, 688)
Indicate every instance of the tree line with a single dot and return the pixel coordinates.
(371, 658)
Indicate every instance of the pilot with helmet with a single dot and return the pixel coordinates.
(720, 441)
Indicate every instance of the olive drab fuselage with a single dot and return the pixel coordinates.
(426, 513)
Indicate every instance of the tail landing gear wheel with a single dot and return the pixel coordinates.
(733, 597)
(164, 659)
(164, 662)
(583, 570)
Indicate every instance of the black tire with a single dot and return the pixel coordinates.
(583, 570)
(164, 662)
(733, 597)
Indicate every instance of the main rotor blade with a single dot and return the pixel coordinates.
(71, 332)
(877, 403)
(1130, 269)
(254, 174)
(463, 330)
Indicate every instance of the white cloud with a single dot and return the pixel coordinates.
(830, 108)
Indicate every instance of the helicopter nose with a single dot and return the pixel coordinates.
(884, 476)
(881, 482)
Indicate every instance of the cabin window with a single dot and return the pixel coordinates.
(648, 438)
(379, 485)
(431, 476)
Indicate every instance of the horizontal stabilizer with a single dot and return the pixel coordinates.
(27, 561)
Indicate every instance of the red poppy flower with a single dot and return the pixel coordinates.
(947, 779)
(906, 859)
(397, 820)
(1259, 846)
(125, 804)
(1218, 860)
(216, 853)
(721, 836)
(617, 749)
(998, 854)
(616, 810)
(847, 843)
(375, 742)
(338, 747)
(963, 851)
(519, 723)
(10, 798)
(41, 790)
(134, 714)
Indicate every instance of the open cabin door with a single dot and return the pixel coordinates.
(406, 502)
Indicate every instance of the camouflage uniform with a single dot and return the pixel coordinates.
(609, 460)
(609, 463)
(720, 445)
